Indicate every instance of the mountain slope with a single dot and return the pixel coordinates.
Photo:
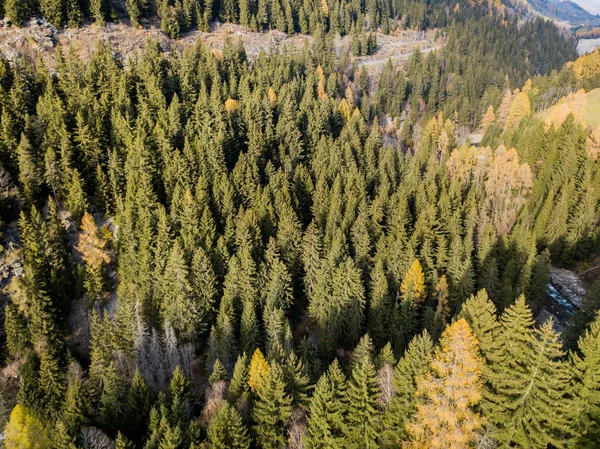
(564, 11)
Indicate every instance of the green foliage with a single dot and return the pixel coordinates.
(226, 429)
(363, 412)
(328, 410)
(272, 410)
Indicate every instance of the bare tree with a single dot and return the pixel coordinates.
(171, 347)
(94, 438)
(297, 429)
(384, 379)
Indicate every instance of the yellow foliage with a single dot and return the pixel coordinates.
(231, 105)
(519, 109)
(488, 118)
(258, 371)
(414, 283)
(574, 103)
(24, 431)
(505, 106)
(344, 109)
(325, 8)
(456, 8)
(587, 66)
(447, 393)
(592, 144)
(91, 245)
(272, 96)
(528, 86)
(322, 94)
(320, 73)
(349, 95)
(507, 184)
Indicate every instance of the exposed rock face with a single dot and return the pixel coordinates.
(568, 284)
(37, 36)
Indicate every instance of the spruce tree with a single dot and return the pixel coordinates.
(410, 367)
(226, 429)
(272, 410)
(363, 410)
(327, 411)
(586, 366)
(528, 396)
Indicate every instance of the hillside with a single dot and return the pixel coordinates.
(259, 224)
(566, 11)
(591, 116)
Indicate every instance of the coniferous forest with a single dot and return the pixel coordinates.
(211, 250)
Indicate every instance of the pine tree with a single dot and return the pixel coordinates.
(76, 199)
(52, 10)
(410, 367)
(363, 412)
(480, 313)
(29, 173)
(16, 11)
(363, 352)
(380, 307)
(272, 410)
(528, 401)
(180, 392)
(296, 381)
(586, 366)
(178, 305)
(97, 11)
(137, 408)
(327, 411)
(122, 442)
(226, 429)
(449, 393)
(74, 408)
(238, 387)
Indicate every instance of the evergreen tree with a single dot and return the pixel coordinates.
(528, 377)
(410, 367)
(327, 411)
(226, 429)
(587, 386)
(272, 410)
(363, 412)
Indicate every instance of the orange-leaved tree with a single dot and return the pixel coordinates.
(448, 392)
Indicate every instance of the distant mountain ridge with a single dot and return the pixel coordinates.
(566, 11)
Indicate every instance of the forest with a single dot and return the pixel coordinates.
(209, 250)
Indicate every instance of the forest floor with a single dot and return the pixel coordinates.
(40, 38)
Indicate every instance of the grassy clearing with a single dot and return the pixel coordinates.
(592, 109)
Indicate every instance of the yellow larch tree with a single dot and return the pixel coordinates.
(272, 97)
(25, 431)
(574, 103)
(592, 143)
(231, 105)
(504, 107)
(91, 245)
(258, 371)
(414, 283)
(344, 109)
(519, 109)
(507, 185)
(448, 393)
(488, 118)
